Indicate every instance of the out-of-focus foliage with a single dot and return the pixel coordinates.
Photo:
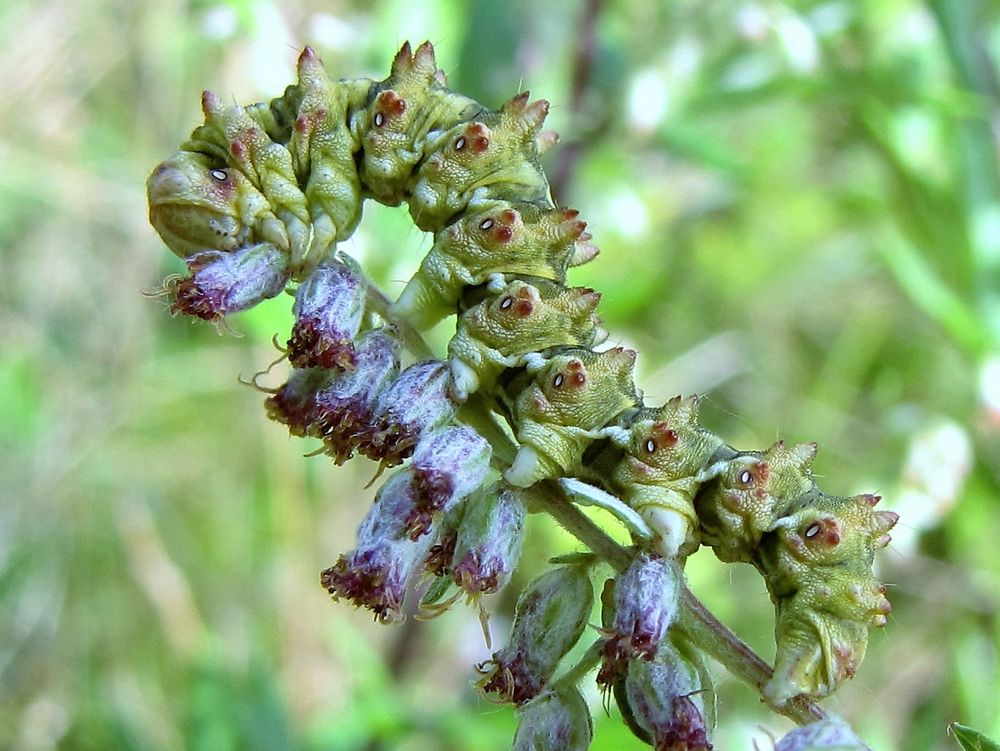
(798, 208)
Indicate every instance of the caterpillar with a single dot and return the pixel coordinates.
(255, 203)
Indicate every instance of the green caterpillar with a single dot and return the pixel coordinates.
(256, 201)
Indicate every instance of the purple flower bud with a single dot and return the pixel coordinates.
(294, 403)
(448, 464)
(345, 409)
(554, 721)
(489, 541)
(439, 558)
(374, 575)
(645, 597)
(549, 618)
(666, 701)
(222, 283)
(832, 733)
(329, 307)
(416, 402)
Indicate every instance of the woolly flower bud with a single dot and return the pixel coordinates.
(416, 402)
(222, 283)
(489, 541)
(448, 464)
(554, 721)
(549, 618)
(832, 733)
(329, 308)
(294, 402)
(646, 596)
(345, 409)
(664, 699)
(374, 575)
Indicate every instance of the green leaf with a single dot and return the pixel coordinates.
(971, 740)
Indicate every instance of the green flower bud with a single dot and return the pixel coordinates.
(549, 618)
(488, 543)
(516, 320)
(507, 238)
(831, 734)
(665, 451)
(572, 396)
(749, 493)
(494, 157)
(554, 721)
(196, 203)
(401, 112)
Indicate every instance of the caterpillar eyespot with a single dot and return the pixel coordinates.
(812, 531)
(745, 478)
(506, 303)
(219, 175)
(650, 446)
(558, 381)
(460, 143)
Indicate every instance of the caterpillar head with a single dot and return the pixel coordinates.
(815, 653)
(197, 204)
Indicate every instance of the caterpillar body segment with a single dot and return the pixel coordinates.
(518, 319)
(401, 114)
(571, 398)
(267, 165)
(504, 238)
(749, 494)
(658, 474)
(816, 563)
(494, 157)
(323, 146)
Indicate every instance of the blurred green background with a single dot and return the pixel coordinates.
(798, 207)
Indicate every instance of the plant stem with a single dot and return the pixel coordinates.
(414, 342)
